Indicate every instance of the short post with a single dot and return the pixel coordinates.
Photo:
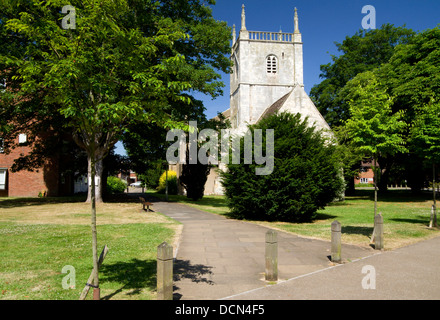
(378, 232)
(271, 256)
(164, 272)
(336, 242)
(166, 184)
(433, 220)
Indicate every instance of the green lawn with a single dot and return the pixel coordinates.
(406, 217)
(41, 236)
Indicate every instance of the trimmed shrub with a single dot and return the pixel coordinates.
(306, 175)
(115, 185)
(172, 182)
(193, 179)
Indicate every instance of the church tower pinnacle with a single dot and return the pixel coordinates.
(298, 51)
(243, 18)
(244, 34)
(295, 22)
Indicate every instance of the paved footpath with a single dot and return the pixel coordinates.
(219, 258)
(408, 273)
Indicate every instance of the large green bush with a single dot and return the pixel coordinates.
(305, 178)
(115, 185)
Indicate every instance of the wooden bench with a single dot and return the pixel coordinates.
(145, 203)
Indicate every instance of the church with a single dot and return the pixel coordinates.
(267, 78)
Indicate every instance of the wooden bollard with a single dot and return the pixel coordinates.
(164, 272)
(336, 242)
(378, 232)
(271, 256)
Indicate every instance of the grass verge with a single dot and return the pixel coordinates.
(42, 236)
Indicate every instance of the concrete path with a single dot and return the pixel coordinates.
(220, 258)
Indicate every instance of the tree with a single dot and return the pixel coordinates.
(349, 155)
(194, 175)
(412, 76)
(364, 51)
(372, 125)
(124, 62)
(305, 177)
(146, 144)
(425, 141)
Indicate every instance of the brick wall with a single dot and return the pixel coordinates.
(25, 183)
(366, 174)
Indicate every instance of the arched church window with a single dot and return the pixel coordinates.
(271, 64)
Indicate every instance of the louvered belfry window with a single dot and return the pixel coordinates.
(271, 64)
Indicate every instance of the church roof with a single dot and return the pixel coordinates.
(226, 114)
(297, 101)
(275, 107)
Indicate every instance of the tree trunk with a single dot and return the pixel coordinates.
(93, 225)
(374, 162)
(375, 176)
(433, 183)
(385, 164)
(434, 206)
(99, 169)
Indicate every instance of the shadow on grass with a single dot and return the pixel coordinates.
(365, 231)
(136, 275)
(418, 220)
(324, 216)
(8, 203)
(391, 196)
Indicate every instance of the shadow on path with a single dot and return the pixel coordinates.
(197, 273)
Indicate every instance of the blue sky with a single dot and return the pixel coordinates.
(322, 23)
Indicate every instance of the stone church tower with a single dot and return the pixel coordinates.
(268, 77)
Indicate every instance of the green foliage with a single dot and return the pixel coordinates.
(364, 51)
(194, 176)
(152, 175)
(172, 182)
(306, 175)
(372, 125)
(115, 185)
(425, 133)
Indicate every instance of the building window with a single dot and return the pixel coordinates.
(2, 145)
(22, 138)
(3, 179)
(271, 64)
(364, 180)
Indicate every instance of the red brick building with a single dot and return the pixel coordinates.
(26, 183)
(366, 174)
